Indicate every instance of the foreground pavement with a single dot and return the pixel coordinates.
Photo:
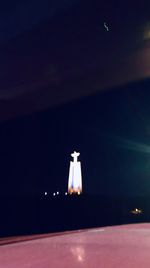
(109, 247)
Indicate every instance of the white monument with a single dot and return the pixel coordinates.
(75, 177)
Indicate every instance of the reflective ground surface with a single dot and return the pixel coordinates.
(119, 246)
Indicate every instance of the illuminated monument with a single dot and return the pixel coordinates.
(75, 177)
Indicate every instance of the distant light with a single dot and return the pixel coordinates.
(75, 176)
(54, 194)
(136, 211)
(66, 193)
(45, 193)
(57, 193)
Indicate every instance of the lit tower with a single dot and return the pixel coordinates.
(75, 177)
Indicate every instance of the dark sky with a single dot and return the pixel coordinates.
(111, 130)
(19, 16)
(55, 51)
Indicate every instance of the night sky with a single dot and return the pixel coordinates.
(74, 75)
(55, 51)
(20, 16)
(111, 131)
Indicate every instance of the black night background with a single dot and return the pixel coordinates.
(111, 132)
(74, 78)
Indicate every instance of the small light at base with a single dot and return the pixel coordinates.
(54, 194)
(136, 211)
(45, 193)
(57, 193)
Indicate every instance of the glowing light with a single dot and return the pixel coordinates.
(54, 194)
(66, 193)
(45, 193)
(57, 193)
(136, 211)
(75, 178)
(106, 27)
(131, 145)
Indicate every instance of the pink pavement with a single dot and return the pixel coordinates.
(126, 246)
